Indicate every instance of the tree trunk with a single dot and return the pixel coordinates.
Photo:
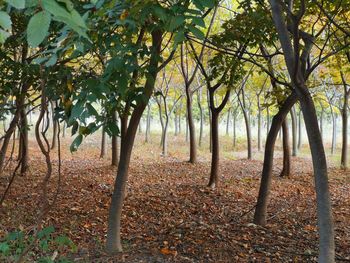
(113, 243)
(115, 151)
(165, 137)
(300, 135)
(7, 138)
(249, 136)
(324, 210)
(54, 125)
(228, 122)
(191, 127)
(24, 141)
(214, 171)
(344, 114)
(260, 214)
(161, 121)
(199, 94)
(103, 144)
(148, 124)
(294, 132)
(286, 150)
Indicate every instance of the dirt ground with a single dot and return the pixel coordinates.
(171, 216)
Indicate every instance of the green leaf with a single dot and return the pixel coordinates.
(198, 21)
(76, 143)
(38, 28)
(195, 31)
(179, 37)
(3, 35)
(4, 247)
(5, 20)
(46, 232)
(19, 4)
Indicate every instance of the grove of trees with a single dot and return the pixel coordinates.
(270, 70)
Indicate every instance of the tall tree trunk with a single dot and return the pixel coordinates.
(113, 243)
(294, 132)
(228, 121)
(300, 135)
(191, 127)
(201, 114)
(24, 141)
(165, 137)
(148, 124)
(7, 138)
(54, 126)
(103, 144)
(324, 210)
(344, 114)
(248, 132)
(115, 151)
(214, 171)
(260, 214)
(286, 150)
(161, 120)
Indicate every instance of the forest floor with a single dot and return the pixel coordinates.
(170, 215)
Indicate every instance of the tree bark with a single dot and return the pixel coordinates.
(260, 214)
(286, 150)
(113, 243)
(214, 170)
(201, 125)
(115, 150)
(344, 114)
(294, 132)
(300, 135)
(148, 124)
(103, 144)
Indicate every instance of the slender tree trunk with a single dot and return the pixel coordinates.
(344, 149)
(113, 243)
(148, 124)
(286, 150)
(294, 132)
(7, 138)
(191, 127)
(24, 141)
(115, 151)
(249, 136)
(199, 94)
(260, 214)
(214, 172)
(165, 137)
(228, 122)
(103, 144)
(161, 121)
(300, 135)
(324, 210)
(54, 126)
(64, 130)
